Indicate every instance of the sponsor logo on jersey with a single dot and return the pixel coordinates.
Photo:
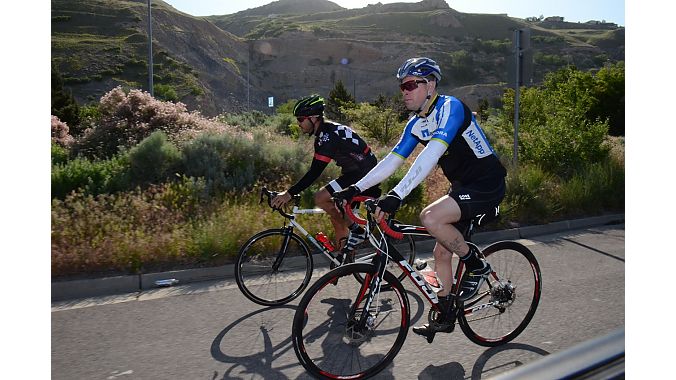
(323, 138)
(477, 141)
(464, 197)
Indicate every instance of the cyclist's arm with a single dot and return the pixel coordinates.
(422, 166)
(391, 162)
(380, 172)
(319, 163)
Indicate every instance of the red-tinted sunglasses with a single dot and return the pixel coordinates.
(302, 118)
(411, 85)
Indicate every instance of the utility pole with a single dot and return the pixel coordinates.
(517, 37)
(248, 63)
(522, 49)
(150, 53)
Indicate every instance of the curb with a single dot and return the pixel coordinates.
(68, 290)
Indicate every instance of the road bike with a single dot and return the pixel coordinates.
(275, 265)
(345, 329)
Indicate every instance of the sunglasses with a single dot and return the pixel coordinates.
(302, 118)
(411, 85)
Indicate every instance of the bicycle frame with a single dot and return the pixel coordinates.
(308, 236)
(401, 230)
(291, 218)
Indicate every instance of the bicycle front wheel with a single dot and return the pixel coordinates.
(336, 335)
(273, 269)
(506, 302)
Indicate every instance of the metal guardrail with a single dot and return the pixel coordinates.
(599, 358)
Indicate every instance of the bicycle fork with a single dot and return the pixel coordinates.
(282, 250)
(372, 283)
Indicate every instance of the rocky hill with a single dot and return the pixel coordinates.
(289, 48)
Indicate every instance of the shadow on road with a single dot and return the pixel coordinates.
(253, 343)
(250, 344)
(482, 368)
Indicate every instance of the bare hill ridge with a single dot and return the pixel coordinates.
(289, 48)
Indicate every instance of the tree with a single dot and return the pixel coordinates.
(64, 105)
(338, 98)
(383, 125)
(555, 128)
(609, 91)
(483, 110)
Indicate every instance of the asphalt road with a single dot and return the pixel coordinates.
(210, 331)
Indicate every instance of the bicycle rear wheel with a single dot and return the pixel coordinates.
(506, 302)
(258, 278)
(325, 332)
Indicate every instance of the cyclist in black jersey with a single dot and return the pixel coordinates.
(351, 153)
(454, 141)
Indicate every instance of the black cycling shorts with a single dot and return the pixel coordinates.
(479, 197)
(348, 179)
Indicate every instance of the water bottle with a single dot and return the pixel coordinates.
(432, 279)
(322, 238)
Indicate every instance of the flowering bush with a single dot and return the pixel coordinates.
(60, 133)
(127, 118)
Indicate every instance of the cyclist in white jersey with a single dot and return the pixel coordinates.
(453, 140)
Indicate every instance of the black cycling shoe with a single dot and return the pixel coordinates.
(473, 281)
(443, 324)
(355, 238)
(430, 331)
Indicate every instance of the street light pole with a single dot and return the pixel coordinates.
(517, 38)
(150, 52)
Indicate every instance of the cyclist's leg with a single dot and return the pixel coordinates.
(323, 201)
(340, 222)
(438, 218)
(479, 197)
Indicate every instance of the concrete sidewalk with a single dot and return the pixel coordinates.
(67, 290)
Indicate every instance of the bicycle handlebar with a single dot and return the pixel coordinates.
(350, 213)
(272, 194)
(370, 204)
(384, 224)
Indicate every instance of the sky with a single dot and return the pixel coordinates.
(571, 10)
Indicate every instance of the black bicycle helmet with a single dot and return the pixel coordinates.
(312, 105)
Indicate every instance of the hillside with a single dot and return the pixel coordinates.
(290, 48)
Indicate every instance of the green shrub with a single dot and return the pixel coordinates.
(382, 126)
(90, 176)
(59, 154)
(246, 121)
(153, 160)
(166, 92)
(598, 187)
(555, 130)
(528, 197)
(286, 124)
(224, 161)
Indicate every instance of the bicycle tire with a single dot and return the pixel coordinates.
(254, 273)
(515, 302)
(323, 336)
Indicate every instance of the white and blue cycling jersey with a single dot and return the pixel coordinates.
(452, 138)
